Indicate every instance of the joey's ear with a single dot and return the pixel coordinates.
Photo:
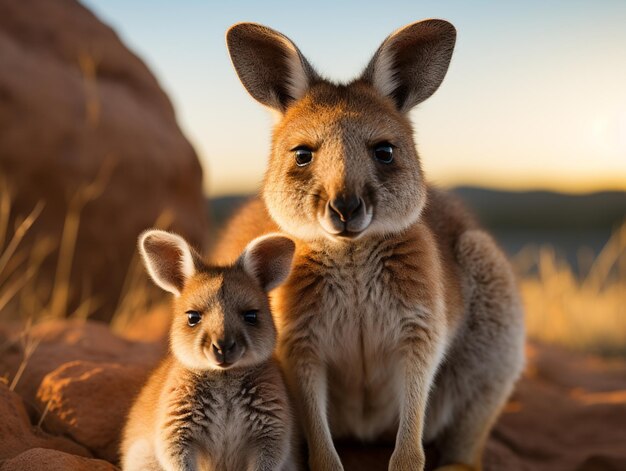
(268, 259)
(168, 258)
(269, 65)
(410, 64)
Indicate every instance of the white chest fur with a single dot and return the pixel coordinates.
(355, 324)
(224, 417)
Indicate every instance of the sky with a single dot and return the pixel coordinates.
(535, 96)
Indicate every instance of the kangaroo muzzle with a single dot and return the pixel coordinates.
(225, 351)
(345, 216)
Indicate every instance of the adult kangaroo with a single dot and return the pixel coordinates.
(401, 317)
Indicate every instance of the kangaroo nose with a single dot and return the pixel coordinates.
(223, 347)
(224, 350)
(345, 206)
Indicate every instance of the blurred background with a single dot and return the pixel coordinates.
(117, 116)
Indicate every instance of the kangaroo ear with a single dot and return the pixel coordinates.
(168, 259)
(268, 259)
(269, 65)
(410, 64)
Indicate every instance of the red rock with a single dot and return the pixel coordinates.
(72, 98)
(18, 435)
(61, 342)
(37, 459)
(568, 412)
(89, 401)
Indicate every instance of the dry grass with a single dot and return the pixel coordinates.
(583, 312)
(136, 296)
(18, 268)
(29, 344)
(40, 299)
(27, 297)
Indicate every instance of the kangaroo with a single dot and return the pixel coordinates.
(218, 400)
(400, 319)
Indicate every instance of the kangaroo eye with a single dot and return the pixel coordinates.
(193, 317)
(250, 317)
(303, 155)
(384, 152)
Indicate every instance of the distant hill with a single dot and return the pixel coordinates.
(545, 210)
(222, 207)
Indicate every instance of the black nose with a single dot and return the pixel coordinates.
(345, 206)
(223, 348)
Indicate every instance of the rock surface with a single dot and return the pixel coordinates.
(89, 402)
(75, 104)
(37, 459)
(61, 342)
(81, 378)
(17, 435)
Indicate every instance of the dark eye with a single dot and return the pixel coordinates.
(193, 317)
(383, 152)
(250, 317)
(303, 155)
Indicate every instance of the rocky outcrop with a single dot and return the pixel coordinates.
(37, 459)
(89, 402)
(77, 108)
(59, 343)
(78, 385)
(17, 435)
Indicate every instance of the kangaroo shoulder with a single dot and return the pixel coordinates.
(250, 221)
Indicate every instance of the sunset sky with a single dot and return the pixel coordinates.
(535, 96)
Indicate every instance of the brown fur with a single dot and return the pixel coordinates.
(196, 412)
(407, 324)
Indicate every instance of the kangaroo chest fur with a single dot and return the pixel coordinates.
(222, 415)
(357, 315)
(355, 311)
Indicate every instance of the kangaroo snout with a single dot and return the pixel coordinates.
(226, 351)
(345, 207)
(346, 215)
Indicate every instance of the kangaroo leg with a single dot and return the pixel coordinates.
(422, 355)
(306, 377)
(484, 360)
(461, 444)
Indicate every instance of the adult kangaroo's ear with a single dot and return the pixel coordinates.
(269, 65)
(168, 258)
(268, 259)
(410, 64)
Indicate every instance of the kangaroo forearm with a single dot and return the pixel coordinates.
(423, 350)
(308, 380)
